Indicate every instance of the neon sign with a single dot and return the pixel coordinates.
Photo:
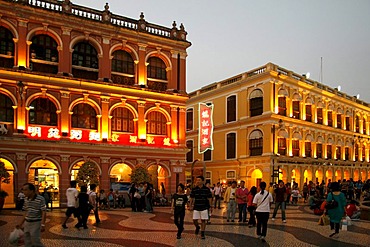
(205, 134)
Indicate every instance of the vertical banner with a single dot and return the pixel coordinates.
(205, 135)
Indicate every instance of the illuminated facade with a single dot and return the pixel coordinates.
(272, 123)
(78, 84)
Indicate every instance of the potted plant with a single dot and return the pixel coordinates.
(4, 178)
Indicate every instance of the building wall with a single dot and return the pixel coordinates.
(26, 146)
(274, 125)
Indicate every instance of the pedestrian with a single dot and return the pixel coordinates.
(200, 201)
(148, 198)
(242, 199)
(178, 206)
(217, 192)
(34, 220)
(133, 192)
(208, 185)
(262, 201)
(71, 194)
(20, 201)
(83, 208)
(337, 213)
(230, 199)
(93, 202)
(280, 200)
(251, 207)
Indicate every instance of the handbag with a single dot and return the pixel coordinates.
(16, 237)
(137, 195)
(331, 204)
(324, 220)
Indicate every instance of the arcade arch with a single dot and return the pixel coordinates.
(8, 187)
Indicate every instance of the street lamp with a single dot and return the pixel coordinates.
(275, 172)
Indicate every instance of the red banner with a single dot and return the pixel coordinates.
(205, 135)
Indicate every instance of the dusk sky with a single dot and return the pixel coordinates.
(232, 37)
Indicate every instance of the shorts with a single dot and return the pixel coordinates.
(70, 211)
(202, 215)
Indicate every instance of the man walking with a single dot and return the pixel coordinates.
(280, 200)
(242, 199)
(35, 216)
(230, 199)
(200, 201)
(72, 195)
(93, 202)
(217, 192)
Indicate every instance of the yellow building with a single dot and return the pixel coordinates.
(272, 123)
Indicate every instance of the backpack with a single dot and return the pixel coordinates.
(331, 204)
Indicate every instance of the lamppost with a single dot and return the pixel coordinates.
(275, 172)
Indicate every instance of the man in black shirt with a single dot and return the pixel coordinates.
(200, 201)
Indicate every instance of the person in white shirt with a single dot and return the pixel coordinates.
(217, 192)
(262, 201)
(72, 194)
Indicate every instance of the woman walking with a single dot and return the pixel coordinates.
(251, 207)
(262, 202)
(83, 208)
(337, 213)
(178, 206)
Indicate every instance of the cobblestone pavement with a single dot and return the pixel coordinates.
(121, 227)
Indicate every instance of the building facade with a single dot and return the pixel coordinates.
(79, 84)
(271, 123)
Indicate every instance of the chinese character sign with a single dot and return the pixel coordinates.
(205, 134)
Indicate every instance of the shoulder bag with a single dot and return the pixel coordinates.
(331, 204)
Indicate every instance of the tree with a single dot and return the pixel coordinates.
(4, 178)
(140, 175)
(88, 174)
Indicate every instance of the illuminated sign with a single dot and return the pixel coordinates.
(205, 133)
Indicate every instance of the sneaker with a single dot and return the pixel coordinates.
(333, 234)
(272, 218)
(259, 236)
(263, 239)
(284, 221)
(178, 236)
(64, 226)
(197, 228)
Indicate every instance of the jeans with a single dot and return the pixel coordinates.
(277, 206)
(242, 212)
(179, 221)
(262, 218)
(32, 234)
(231, 210)
(217, 201)
(252, 217)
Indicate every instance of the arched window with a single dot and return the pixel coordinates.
(357, 124)
(189, 119)
(338, 151)
(356, 152)
(44, 47)
(364, 126)
(282, 146)
(318, 150)
(319, 115)
(84, 116)
(308, 113)
(256, 103)
(43, 111)
(330, 118)
(122, 120)
(255, 143)
(157, 123)
(6, 109)
(123, 68)
(295, 147)
(189, 155)
(157, 69)
(308, 149)
(231, 146)
(85, 57)
(231, 108)
(296, 110)
(348, 123)
(6, 48)
(339, 121)
(329, 151)
(363, 153)
(282, 105)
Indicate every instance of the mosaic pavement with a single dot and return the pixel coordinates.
(121, 227)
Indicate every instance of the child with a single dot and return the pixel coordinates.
(178, 206)
(295, 195)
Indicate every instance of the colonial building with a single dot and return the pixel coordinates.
(272, 123)
(79, 84)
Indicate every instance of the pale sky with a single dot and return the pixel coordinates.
(235, 36)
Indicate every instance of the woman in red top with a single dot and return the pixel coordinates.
(251, 208)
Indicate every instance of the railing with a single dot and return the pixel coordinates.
(46, 5)
(158, 30)
(231, 80)
(123, 22)
(88, 13)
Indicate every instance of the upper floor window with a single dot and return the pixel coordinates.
(338, 151)
(330, 118)
(363, 153)
(122, 120)
(364, 126)
(43, 111)
(122, 62)
(85, 55)
(6, 42)
(189, 119)
(207, 155)
(156, 69)
(230, 175)
(44, 47)
(318, 150)
(308, 149)
(319, 115)
(255, 143)
(189, 155)
(357, 124)
(329, 151)
(157, 123)
(295, 147)
(296, 112)
(282, 146)
(84, 116)
(231, 146)
(339, 121)
(282, 106)
(346, 153)
(356, 152)
(6, 109)
(231, 108)
(309, 113)
(348, 123)
(256, 103)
